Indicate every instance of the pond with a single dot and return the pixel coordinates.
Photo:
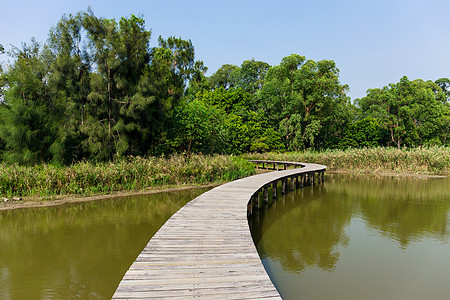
(79, 250)
(357, 237)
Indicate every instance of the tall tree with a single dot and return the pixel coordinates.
(70, 69)
(234, 100)
(409, 110)
(444, 84)
(120, 53)
(27, 127)
(199, 82)
(251, 74)
(444, 125)
(224, 77)
(306, 99)
(198, 127)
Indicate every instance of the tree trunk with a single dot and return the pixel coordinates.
(109, 101)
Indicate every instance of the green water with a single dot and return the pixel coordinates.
(80, 250)
(359, 238)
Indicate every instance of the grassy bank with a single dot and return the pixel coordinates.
(432, 160)
(128, 174)
(135, 173)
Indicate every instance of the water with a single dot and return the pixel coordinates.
(79, 250)
(359, 238)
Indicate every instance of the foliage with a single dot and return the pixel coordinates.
(95, 90)
(444, 84)
(198, 128)
(224, 77)
(304, 98)
(132, 173)
(409, 110)
(230, 100)
(25, 127)
(250, 133)
(365, 133)
(98, 90)
(251, 75)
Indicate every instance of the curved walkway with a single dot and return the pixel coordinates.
(205, 250)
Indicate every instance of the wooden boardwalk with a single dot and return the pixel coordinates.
(205, 250)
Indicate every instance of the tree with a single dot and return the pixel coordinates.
(104, 95)
(444, 84)
(198, 83)
(363, 133)
(109, 93)
(305, 100)
(250, 132)
(224, 77)
(408, 110)
(444, 125)
(27, 126)
(69, 83)
(197, 128)
(250, 75)
(134, 89)
(230, 100)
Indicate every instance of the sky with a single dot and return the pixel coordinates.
(373, 43)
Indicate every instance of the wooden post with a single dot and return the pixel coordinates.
(292, 183)
(285, 166)
(302, 177)
(274, 190)
(255, 198)
(283, 186)
(265, 195)
(296, 181)
(276, 166)
(312, 178)
(264, 165)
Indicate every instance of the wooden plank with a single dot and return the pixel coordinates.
(205, 250)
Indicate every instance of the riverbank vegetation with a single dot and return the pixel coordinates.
(79, 109)
(137, 174)
(130, 174)
(428, 160)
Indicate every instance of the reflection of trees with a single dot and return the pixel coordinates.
(408, 210)
(306, 231)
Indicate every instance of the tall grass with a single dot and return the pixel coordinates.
(133, 173)
(430, 160)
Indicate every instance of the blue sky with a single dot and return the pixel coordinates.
(373, 43)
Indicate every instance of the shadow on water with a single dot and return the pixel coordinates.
(356, 227)
(79, 250)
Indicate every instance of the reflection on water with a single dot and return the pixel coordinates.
(359, 238)
(79, 250)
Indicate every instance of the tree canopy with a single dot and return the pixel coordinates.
(98, 89)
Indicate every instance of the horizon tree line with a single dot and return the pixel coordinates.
(98, 90)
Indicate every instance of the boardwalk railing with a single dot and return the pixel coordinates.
(205, 250)
(265, 164)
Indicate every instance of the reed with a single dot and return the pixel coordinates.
(131, 173)
(429, 160)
